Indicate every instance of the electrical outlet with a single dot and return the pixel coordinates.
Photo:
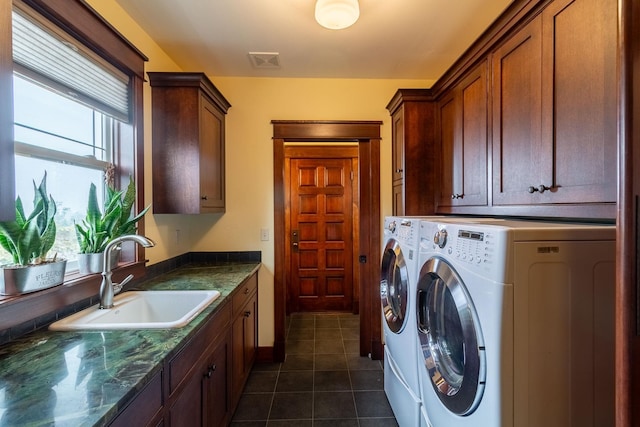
(264, 234)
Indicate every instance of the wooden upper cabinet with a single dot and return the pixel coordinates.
(554, 107)
(463, 115)
(188, 144)
(413, 140)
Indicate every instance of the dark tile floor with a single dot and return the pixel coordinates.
(322, 382)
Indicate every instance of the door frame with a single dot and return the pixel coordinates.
(367, 135)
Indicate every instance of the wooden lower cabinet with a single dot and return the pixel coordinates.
(201, 385)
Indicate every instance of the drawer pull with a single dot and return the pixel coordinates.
(246, 291)
(541, 188)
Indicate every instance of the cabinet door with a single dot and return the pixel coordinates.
(216, 387)
(579, 101)
(212, 183)
(244, 345)
(463, 139)
(187, 408)
(397, 153)
(450, 155)
(517, 89)
(473, 139)
(397, 161)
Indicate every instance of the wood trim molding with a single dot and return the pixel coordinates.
(84, 23)
(7, 174)
(325, 130)
(627, 358)
(367, 134)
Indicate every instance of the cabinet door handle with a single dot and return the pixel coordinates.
(540, 188)
(457, 196)
(247, 313)
(399, 170)
(210, 370)
(203, 197)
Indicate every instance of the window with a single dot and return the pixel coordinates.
(69, 107)
(77, 23)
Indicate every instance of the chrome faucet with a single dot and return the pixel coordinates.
(107, 288)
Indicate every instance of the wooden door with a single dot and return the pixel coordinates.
(321, 234)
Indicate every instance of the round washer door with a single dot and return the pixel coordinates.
(450, 337)
(394, 286)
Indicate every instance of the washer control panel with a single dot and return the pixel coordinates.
(482, 248)
(469, 246)
(476, 246)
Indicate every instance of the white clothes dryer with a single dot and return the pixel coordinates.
(398, 274)
(515, 321)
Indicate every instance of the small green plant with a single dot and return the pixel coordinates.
(29, 239)
(98, 228)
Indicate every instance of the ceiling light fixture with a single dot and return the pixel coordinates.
(337, 14)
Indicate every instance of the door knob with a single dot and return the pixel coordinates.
(294, 239)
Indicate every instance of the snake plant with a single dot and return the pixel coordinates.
(98, 228)
(29, 239)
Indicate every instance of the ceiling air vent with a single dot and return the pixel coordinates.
(265, 59)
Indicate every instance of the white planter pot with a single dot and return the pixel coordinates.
(92, 263)
(24, 279)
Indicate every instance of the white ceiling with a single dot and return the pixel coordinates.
(393, 39)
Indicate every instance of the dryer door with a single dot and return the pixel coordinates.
(450, 337)
(394, 286)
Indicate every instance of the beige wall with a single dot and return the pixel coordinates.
(249, 157)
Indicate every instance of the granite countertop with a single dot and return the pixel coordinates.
(81, 378)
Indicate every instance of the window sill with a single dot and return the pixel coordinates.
(63, 299)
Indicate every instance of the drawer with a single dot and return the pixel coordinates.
(244, 293)
(186, 359)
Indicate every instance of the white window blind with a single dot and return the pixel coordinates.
(40, 50)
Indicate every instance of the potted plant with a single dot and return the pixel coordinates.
(99, 228)
(28, 239)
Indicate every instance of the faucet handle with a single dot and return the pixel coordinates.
(117, 287)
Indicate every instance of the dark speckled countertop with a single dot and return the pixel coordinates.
(81, 378)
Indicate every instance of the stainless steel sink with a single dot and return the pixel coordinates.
(141, 310)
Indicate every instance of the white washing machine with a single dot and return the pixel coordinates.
(398, 274)
(515, 321)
